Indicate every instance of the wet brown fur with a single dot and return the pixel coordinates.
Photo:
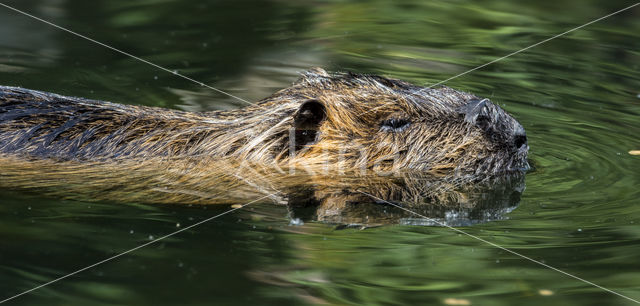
(87, 149)
(437, 140)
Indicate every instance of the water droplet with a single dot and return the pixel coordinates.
(296, 221)
(155, 77)
(131, 232)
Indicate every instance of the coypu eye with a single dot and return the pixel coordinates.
(394, 125)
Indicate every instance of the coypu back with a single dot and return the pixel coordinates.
(45, 125)
(335, 122)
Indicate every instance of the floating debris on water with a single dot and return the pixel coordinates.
(634, 152)
(545, 292)
(454, 301)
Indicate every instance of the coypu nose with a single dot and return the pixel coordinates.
(520, 141)
(519, 137)
(495, 122)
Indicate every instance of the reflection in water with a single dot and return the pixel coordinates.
(340, 199)
(445, 200)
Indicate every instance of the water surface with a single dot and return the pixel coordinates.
(578, 97)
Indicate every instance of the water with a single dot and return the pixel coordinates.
(577, 97)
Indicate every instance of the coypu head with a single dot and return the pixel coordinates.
(366, 122)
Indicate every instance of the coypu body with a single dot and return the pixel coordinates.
(326, 146)
(322, 122)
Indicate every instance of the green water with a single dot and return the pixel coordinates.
(578, 97)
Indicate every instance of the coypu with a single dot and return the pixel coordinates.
(385, 137)
(340, 121)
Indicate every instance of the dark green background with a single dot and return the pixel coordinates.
(578, 97)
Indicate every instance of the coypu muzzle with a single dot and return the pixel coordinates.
(491, 119)
(499, 127)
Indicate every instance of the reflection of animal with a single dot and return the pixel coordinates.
(323, 121)
(365, 200)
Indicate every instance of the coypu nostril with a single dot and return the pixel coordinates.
(519, 141)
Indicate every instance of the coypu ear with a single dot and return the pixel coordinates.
(309, 116)
(306, 122)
